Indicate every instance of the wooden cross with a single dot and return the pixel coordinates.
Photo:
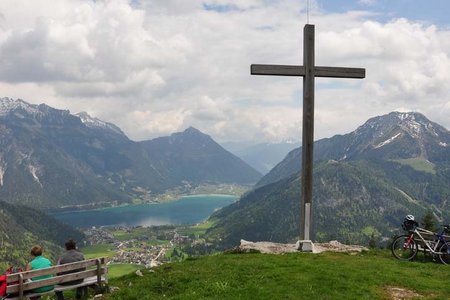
(308, 71)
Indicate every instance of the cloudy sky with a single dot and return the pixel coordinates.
(154, 67)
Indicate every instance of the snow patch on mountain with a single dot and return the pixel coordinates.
(431, 129)
(33, 171)
(8, 105)
(415, 125)
(412, 127)
(403, 116)
(3, 166)
(18, 107)
(97, 123)
(387, 141)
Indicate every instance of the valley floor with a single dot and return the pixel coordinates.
(369, 275)
(147, 246)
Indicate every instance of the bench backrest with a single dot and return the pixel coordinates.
(429, 237)
(81, 270)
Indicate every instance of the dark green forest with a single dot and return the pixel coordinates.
(22, 227)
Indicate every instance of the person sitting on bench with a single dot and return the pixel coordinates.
(39, 262)
(71, 256)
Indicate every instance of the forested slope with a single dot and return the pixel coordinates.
(22, 227)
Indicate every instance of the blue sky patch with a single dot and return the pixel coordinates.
(428, 11)
(221, 8)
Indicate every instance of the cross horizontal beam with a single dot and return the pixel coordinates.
(284, 70)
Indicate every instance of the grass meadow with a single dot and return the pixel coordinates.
(369, 275)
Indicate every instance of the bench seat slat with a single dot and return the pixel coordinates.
(60, 288)
(86, 282)
(55, 269)
(54, 280)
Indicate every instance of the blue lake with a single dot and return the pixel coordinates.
(186, 210)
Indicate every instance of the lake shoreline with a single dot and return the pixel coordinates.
(189, 209)
(113, 204)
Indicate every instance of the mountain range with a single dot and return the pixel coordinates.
(403, 137)
(365, 182)
(51, 158)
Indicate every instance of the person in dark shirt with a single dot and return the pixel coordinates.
(72, 255)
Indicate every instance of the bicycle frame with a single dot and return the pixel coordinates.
(440, 238)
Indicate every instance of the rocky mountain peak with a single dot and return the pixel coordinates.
(394, 136)
(190, 135)
(19, 108)
(382, 130)
(192, 131)
(416, 123)
(93, 122)
(7, 105)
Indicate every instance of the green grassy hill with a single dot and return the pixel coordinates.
(369, 275)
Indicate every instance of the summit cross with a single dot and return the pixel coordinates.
(308, 71)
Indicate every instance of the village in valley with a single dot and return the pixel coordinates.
(146, 246)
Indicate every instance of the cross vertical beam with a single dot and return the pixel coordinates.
(308, 71)
(308, 132)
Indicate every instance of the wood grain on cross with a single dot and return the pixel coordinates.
(308, 71)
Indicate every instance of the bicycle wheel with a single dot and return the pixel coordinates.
(445, 254)
(401, 251)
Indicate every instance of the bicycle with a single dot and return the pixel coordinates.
(405, 247)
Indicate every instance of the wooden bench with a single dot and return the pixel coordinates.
(93, 272)
(430, 238)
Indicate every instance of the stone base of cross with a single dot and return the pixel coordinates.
(305, 246)
(308, 71)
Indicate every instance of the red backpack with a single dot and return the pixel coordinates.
(3, 284)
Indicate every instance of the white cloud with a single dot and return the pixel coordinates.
(155, 67)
